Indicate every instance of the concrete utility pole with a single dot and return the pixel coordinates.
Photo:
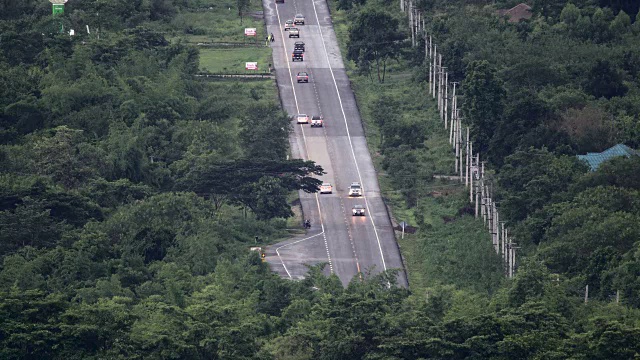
(478, 183)
(435, 52)
(466, 169)
(504, 236)
(412, 24)
(440, 79)
(497, 228)
(460, 142)
(586, 294)
(446, 98)
(471, 168)
(505, 251)
(456, 143)
(454, 105)
(402, 5)
(430, 78)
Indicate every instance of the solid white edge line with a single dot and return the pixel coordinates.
(344, 116)
(285, 245)
(304, 138)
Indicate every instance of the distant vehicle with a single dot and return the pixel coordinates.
(302, 119)
(326, 188)
(279, 1)
(298, 45)
(355, 189)
(297, 55)
(302, 77)
(298, 19)
(316, 121)
(294, 32)
(288, 25)
(358, 210)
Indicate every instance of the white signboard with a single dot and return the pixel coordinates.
(251, 66)
(250, 31)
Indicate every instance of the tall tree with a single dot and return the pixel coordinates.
(374, 37)
(242, 5)
(483, 102)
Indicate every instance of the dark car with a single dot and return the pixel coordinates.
(299, 45)
(302, 77)
(279, 1)
(297, 55)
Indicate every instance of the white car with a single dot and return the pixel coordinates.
(302, 118)
(298, 19)
(326, 188)
(355, 189)
(288, 25)
(358, 210)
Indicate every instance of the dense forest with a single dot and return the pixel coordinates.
(131, 190)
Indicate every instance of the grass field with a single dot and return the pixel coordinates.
(218, 21)
(233, 60)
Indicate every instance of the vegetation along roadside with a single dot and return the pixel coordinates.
(130, 190)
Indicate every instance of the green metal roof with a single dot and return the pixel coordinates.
(595, 159)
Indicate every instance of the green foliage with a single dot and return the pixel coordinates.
(532, 178)
(259, 184)
(374, 38)
(483, 102)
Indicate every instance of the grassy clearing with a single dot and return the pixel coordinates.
(218, 21)
(233, 60)
(450, 247)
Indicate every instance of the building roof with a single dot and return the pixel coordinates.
(517, 13)
(595, 159)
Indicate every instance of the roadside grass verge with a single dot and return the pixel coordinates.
(451, 247)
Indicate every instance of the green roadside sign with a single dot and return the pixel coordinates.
(58, 9)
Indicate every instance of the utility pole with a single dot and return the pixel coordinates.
(478, 181)
(459, 128)
(435, 55)
(446, 98)
(454, 106)
(497, 228)
(466, 172)
(505, 241)
(586, 294)
(440, 80)
(412, 24)
(471, 168)
(458, 162)
(504, 236)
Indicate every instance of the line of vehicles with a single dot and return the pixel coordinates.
(355, 189)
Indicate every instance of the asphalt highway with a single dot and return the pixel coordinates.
(351, 246)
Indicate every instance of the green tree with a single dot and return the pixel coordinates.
(605, 80)
(374, 37)
(483, 102)
(242, 6)
(533, 178)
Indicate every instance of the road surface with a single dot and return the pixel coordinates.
(350, 245)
